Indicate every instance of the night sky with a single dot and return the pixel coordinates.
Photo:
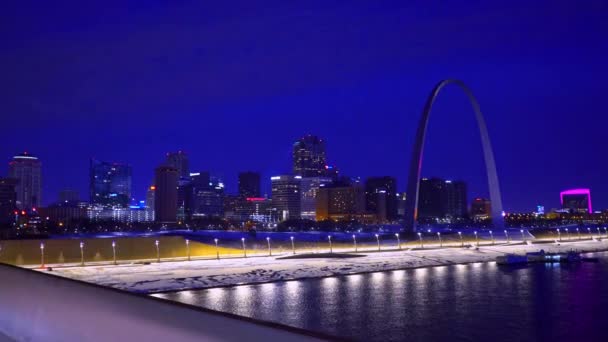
(235, 84)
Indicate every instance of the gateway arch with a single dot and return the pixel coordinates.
(413, 186)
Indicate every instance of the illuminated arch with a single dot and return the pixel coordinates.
(413, 186)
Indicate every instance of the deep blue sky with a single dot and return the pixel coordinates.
(235, 84)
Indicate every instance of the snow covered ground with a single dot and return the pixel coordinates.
(198, 274)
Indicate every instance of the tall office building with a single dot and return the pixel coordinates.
(165, 194)
(249, 184)
(208, 195)
(309, 189)
(341, 202)
(110, 184)
(439, 199)
(8, 200)
(381, 197)
(25, 168)
(179, 160)
(286, 196)
(309, 157)
(150, 194)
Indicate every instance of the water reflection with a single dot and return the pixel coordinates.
(480, 301)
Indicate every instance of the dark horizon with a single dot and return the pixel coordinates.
(234, 86)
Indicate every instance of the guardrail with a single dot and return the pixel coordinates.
(36, 306)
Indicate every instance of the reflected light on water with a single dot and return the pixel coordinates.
(398, 275)
(215, 297)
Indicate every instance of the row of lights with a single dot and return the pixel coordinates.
(216, 241)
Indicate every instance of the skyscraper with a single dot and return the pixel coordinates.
(249, 184)
(381, 190)
(481, 209)
(286, 196)
(341, 202)
(309, 157)
(309, 189)
(165, 194)
(110, 184)
(439, 198)
(8, 200)
(179, 160)
(25, 168)
(208, 195)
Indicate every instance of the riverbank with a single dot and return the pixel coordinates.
(202, 274)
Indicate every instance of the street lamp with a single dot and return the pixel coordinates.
(420, 237)
(606, 231)
(589, 230)
(378, 240)
(188, 248)
(81, 253)
(461, 240)
(578, 233)
(599, 233)
(42, 255)
(293, 246)
(157, 251)
(355, 242)
(398, 240)
(244, 250)
(492, 237)
(440, 242)
(476, 238)
(522, 235)
(217, 249)
(559, 235)
(114, 251)
(507, 236)
(567, 234)
(329, 239)
(269, 249)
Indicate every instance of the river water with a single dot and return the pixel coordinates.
(475, 302)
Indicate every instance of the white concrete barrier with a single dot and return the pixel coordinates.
(41, 307)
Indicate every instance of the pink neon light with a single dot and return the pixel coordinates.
(255, 199)
(577, 192)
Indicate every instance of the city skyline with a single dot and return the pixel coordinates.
(543, 74)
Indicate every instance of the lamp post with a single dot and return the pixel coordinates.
(492, 237)
(188, 248)
(578, 233)
(461, 240)
(398, 240)
(293, 246)
(559, 235)
(217, 249)
(378, 241)
(269, 248)
(567, 234)
(440, 241)
(606, 231)
(157, 251)
(476, 238)
(244, 250)
(420, 237)
(355, 242)
(507, 236)
(599, 233)
(42, 255)
(522, 235)
(330, 248)
(589, 230)
(114, 251)
(81, 253)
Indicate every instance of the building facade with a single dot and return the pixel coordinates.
(442, 199)
(577, 201)
(249, 184)
(342, 202)
(179, 160)
(309, 158)
(8, 200)
(26, 169)
(309, 190)
(381, 197)
(165, 194)
(110, 184)
(286, 196)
